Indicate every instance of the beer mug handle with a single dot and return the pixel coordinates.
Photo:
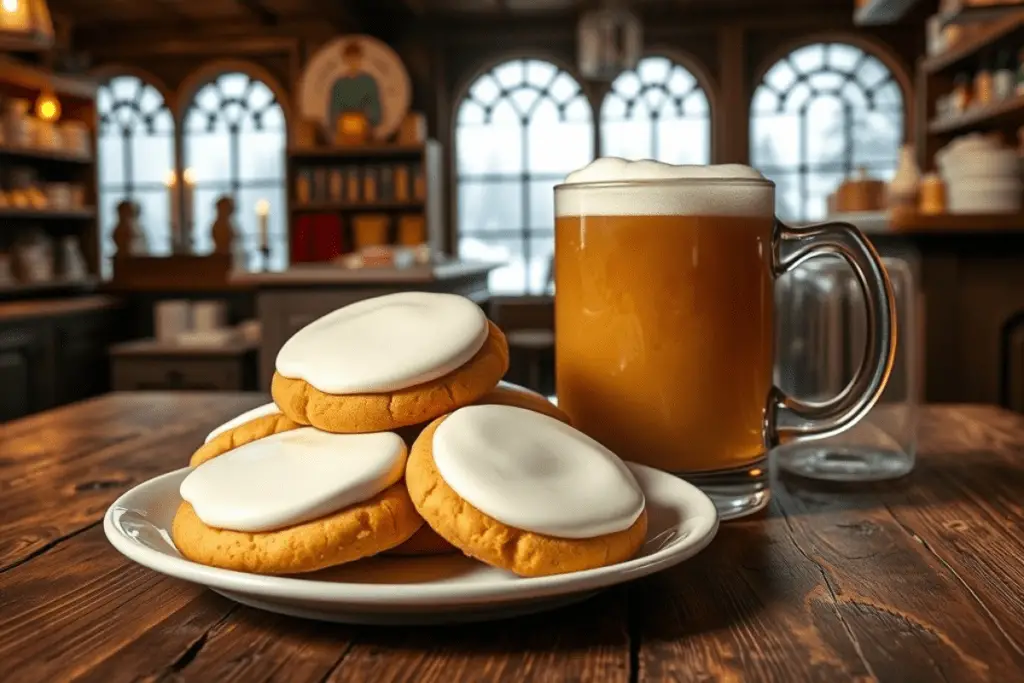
(788, 418)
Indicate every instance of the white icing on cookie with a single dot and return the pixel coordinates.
(519, 389)
(293, 477)
(532, 472)
(248, 416)
(384, 344)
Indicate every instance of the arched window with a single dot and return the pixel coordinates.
(136, 154)
(521, 128)
(819, 114)
(659, 111)
(234, 144)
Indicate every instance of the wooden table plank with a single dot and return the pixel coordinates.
(848, 571)
(750, 607)
(79, 605)
(904, 608)
(920, 579)
(61, 470)
(587, 642)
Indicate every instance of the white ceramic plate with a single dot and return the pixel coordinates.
(393, 590)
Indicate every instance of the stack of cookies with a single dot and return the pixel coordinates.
(391, 431)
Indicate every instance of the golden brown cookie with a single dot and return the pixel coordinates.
(244, 433)
(424, 542)
(358, 413)
(373, 526)
(478, 535)
(509, 394)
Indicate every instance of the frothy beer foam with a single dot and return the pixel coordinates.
(660, 199)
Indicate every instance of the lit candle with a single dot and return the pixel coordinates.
(171, 181)
(262, 221)
(188, 190)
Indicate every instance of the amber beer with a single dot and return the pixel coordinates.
(665, 335)
(664, 326)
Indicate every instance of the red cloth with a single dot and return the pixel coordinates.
(317, 238)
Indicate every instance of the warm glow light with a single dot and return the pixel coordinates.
(263, 208)
(47, 107)
(171, 179)
(190, 177)
(10, 6)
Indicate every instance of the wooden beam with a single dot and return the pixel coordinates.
(339, 13)
(259, 10)
(878, 12)
(172, 9)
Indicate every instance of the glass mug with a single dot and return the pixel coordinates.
(664, 319)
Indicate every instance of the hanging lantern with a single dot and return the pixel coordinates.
(25, 26)
(610, 42)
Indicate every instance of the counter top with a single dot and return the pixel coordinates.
(918, 579)
(41, 308)
(326, 274)
(916, 225)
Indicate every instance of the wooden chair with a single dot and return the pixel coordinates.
(529, 326)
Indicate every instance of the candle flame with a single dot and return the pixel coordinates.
(190, 177)
(10, 6)
(47, 107)
(170, 179)
(262, 207)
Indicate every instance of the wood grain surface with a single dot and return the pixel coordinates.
(920, 579)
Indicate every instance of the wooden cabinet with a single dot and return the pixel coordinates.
(80, 355)
(971, 286)
(25, 375)
(54, 352)
(148, 365)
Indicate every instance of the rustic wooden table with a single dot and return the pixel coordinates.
(916, 580)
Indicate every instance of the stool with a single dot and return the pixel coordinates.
(534, 344)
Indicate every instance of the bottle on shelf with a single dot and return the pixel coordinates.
(1020, 72)
(1004, 79)
(961, 96)
(903, 188)
(982, 86)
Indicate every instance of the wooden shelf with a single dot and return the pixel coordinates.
(28, 77)
(1007, 112)
(360, 207)
(360, 152)
(969, 47)
(878, 12)
(21, 288)
(970, 14)
(40, 154)
(953, 222)
(47, 214)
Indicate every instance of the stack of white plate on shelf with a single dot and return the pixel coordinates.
(982, 175)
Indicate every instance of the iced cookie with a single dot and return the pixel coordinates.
(295, 502)
(247, 427)
(525, 492)
(389, 362)
(509, 394)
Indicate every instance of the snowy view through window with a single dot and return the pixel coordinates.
(658, 111)
(821, 113)
(522, 127)
(234, 142)
(136, 150)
